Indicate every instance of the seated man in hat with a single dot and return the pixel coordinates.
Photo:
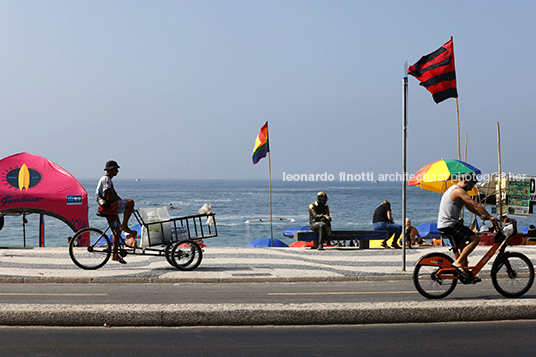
(110, 205)
(320, 220)
(531, 235)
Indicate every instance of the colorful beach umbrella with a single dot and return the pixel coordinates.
(438, 176)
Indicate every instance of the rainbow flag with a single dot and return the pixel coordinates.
(261, 144)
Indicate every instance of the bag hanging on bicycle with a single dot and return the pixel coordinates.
(102, 202)
(507, 231)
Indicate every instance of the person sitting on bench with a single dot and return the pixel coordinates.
(383, 220)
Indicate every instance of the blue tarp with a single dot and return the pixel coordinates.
(524, 230)
(136, 228)
(266, 242)
(428, 230)
(289, 233)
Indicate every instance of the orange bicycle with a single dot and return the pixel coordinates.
(512, 273)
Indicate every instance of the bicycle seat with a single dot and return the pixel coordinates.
(451, 239)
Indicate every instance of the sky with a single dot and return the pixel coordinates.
(180, 89)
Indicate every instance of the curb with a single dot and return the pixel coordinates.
(265, 314)
(134, 280)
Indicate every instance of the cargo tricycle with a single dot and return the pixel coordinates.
(177, 239)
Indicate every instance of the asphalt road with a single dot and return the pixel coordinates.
(488, 339)
(247, 293)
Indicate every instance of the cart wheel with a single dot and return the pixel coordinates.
(90, 248)
(168, 254)
(186, 255)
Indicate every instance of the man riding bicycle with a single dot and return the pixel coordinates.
(450, 224)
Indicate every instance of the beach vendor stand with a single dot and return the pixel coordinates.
(34, 184)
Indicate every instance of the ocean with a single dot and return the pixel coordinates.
(234, 202)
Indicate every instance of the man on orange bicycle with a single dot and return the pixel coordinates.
(110, 205)
(449, 220)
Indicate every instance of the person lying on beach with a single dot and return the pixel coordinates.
(111, 205)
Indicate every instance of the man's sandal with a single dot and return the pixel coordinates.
(462, 273)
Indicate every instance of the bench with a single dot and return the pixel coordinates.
(362, 236)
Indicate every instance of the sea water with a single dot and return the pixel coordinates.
(234, 202)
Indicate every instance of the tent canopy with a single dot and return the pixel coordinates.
(34, 184)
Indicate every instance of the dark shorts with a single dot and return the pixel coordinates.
(458, 232)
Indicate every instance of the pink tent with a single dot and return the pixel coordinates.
(34, 184)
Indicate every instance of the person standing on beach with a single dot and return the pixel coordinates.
(111, 205)
(383, 220)
(320, 220)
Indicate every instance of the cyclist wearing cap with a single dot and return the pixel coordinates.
(450, 223)
(110, 205)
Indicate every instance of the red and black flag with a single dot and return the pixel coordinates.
(437, 73)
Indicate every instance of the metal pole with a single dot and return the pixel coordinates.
(270, 184)
(404, 138)
(500, 206)
(458, 123)
(24, 229)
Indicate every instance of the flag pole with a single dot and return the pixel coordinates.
(270, 186)
(404, 139)
(457, 109)
(466, 138)
(458, 120)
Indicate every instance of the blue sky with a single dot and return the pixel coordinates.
(180, 89)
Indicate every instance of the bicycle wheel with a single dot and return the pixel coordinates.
(186, 255)
(425, 280)
(512, 274)
(90, 248)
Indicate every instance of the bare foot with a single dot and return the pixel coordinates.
(119, 260)
(127, 230)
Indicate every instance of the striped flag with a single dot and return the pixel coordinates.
(437, 73)
(261, 144)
